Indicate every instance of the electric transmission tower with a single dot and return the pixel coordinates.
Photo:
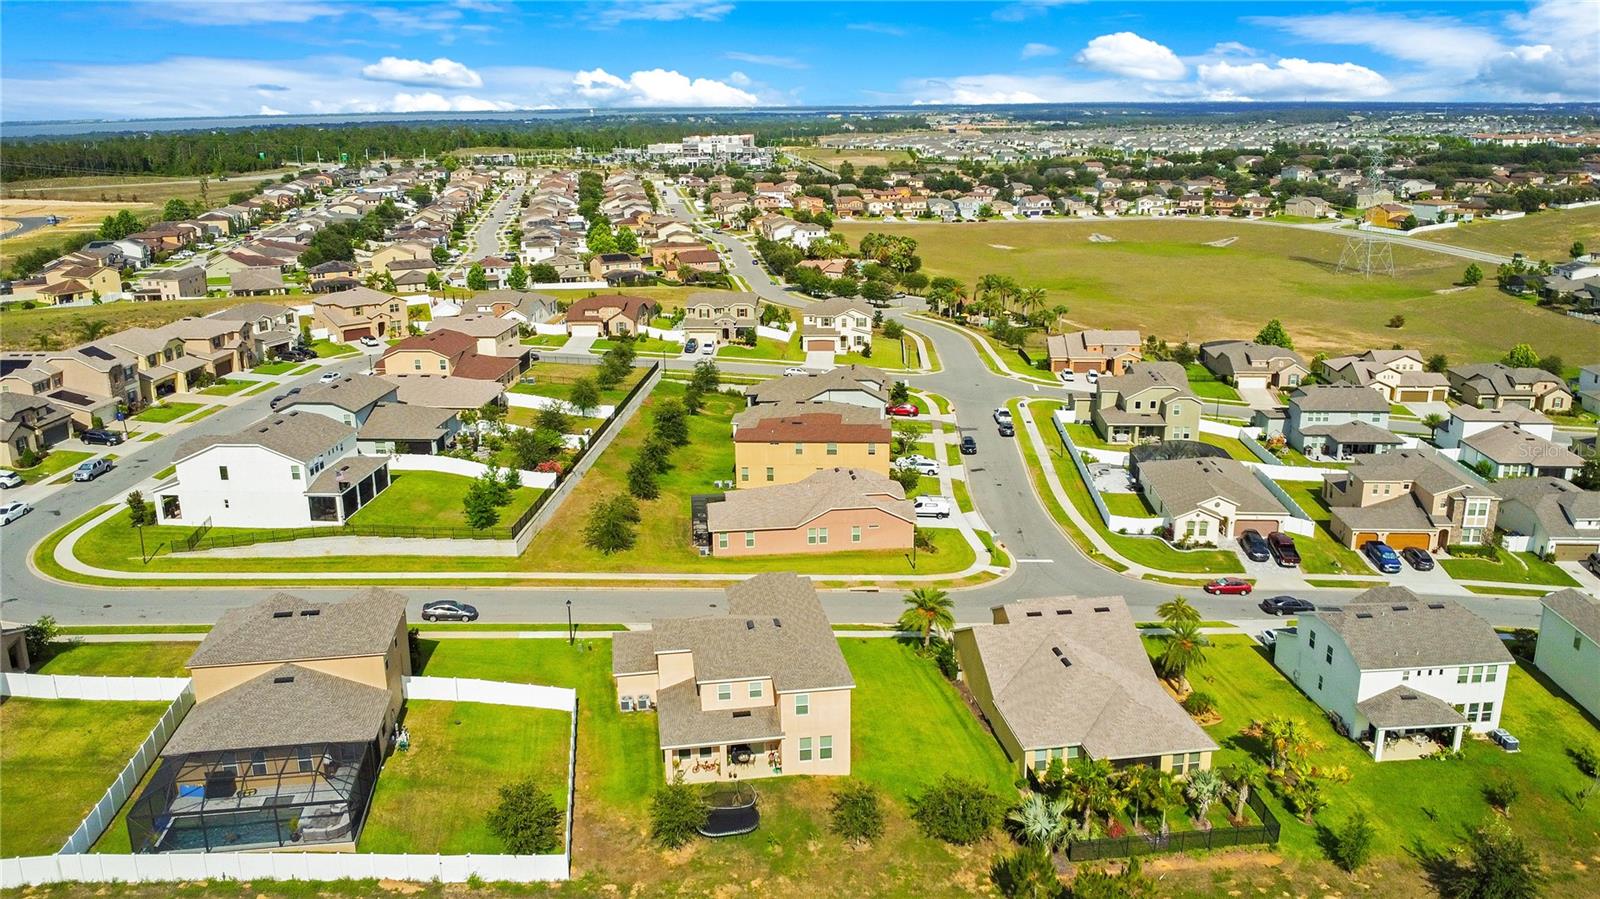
(1366, 256)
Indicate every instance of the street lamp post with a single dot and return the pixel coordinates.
(570, 635)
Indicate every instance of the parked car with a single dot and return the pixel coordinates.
(94, 468)
(101, 436)
(933, 507)
(448, 610)
(1282, 547)
(328, 377)
(1285, 605)
(12, 511)
(691, 345)
(904, 409)
(969, 446)
(795, 372)
(371, 342)
(1006, 430)
(1417, 558)
(283, 396)
(296, 354)
(708, 348)
(1254, 546)
(1267, 638)
(918, 464)
(1592, 563)
(1228, 586)
(1381, 556)
(1002, 416)
(1504, 740)
(9, 479)
(1092, 376)
(1067, 376)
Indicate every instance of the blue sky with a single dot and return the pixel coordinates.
(148, 58)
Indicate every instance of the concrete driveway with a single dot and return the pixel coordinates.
(819, 360)
(578, 343)
(1259, 397)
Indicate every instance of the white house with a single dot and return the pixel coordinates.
(1393, 669)
(1589, 387)
(1569, 645)
(842, 324)
(1467, 421)
(295, 469)
(349, 400)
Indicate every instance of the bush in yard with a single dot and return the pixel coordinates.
(693, 399)
(553, 418)
(1587, 760)
(706, 376)
(671, 423)
(1200, 703)
(899, 393)
(1097, 883)
(1501, 794)
(857, 812)
(1495, 864)
(1027, 873)
(642, 479)
(479, 505)
(906, 477)
(892, 330)
(677, 812)
(1350, 844)
(584, 395)
(1523, 642)
(526, 820)
(140, 512)
(41, 637)
(610, 527)
(956, 810)
(658, 452)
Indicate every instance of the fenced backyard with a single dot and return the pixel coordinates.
(1218, 837)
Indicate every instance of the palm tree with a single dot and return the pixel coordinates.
(1281, 733)
(1058, 314)
(44, 341)
(1042, 822)
(87, 329)
(1242, 776)
(929, 608)
(1165, 794)
(1031, 299)
(1185, 649)
(1203, 788)
(1177, 610)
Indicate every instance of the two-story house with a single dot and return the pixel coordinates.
(609, 315)
(449, 353)
(1568, 651)
(717, 317)
(273, 328)
(1253, 366)
(1506, 451)
(1389, 666)
(164, 365)
(297, 469)
(30, 426)
(856, 385)
(1558, 518)
(1589, 382)
(833, 510)
(1338, 421)
(840, 324)
(184, 283)
(1066, 678)
(760, 691)
(1209, 500)
(348, 315)
(1493, 385)
(384, 425)
(1149, 401)
(494, 336)
(1467, 421)
(1399, 376)
(1409, 498)
(1093, 350)
(783, 443)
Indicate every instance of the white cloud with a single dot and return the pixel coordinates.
(1033, 50)
(1027, 9)
(432, 102)
(619, 11)
(1131, 56)
(739, 78)
(1291, 79)
(1233, 48)
(245, 12)
(268, 110)
(441, 72)
(1561, 59)
(1386, 33)
(877, 28)
(658, 87)
(763, 59)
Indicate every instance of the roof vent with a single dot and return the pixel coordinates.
(1063, 611)
(284, 679)
(749, 625)
(1407, 697)
(1056, 650)
(742, 714)
(1363, 614)
(310, 613)
(1102, 608)
(1400, 608)
(1435, 605)
(283, 614)
(777, 623)
(1066, 662)
(1035, 614)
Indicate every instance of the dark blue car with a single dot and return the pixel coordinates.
(1382, 557)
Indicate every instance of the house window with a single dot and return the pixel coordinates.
(1577, 642)
(1319, 682)
(802, 704)
(258, 763)
(722, 540)
(805, 749)
(771, 475)
(705, 752)
(855, 533)
(1311, 639)
(222, 472)
(744, 473)
(294, 472)
(1039, 759)
(872, 449)
(1486, 713)
(1477, 674)
(816, 535)
(302, 757)
(1461, 675)
(825, 748)
(724, 692)
(683, 755)
(442, 366)
(1328, 656)
(1405, 675)
(1491, 673)
(799, 449)
(754, 689)
(833, 449)
(226, 763)
(416, 364)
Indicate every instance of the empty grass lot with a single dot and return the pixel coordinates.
(555, 379)
(1544, 235)
(166, 412)
(21, 328)
(1425, 801)
(1229, 292)
(1510, 568)
(432, 499)
(58, 756)
(327, 349)
(1321, 553)
(436, 797)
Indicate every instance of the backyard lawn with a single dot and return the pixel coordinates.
(644, 346)
(433, 499)
(226, 387)
(1235, 447)
(1131, 505)
(58, 757)
(1204, 384)
(120, 659)
(546, 340)
(555, 379)
(436, 797)
(165, 412)
(1426, 801)
(1321, 553)
(1510, 568)
(54, 462)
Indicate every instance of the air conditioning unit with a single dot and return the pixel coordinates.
(705, 550)
(626, 702)
(643, 703)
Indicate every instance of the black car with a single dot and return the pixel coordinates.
(1285, 605)
(296, 354)
(101, 436)
(1255, 546)
(969, 446)
(1417, 558)
(1007, 430)
(283, 396)
(448, 610)
(1282, 546)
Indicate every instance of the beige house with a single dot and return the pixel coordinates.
(760, 691)
(1210, 500)
(1093, 350)
(1399, 375)
(833, 510)
(1409, 498)
(89, 380)
(494, 336)
(405, 251)
(717, 317)
(1493, 386)
(1253, 366)
(173, 284)
(349, 315)
(449, 354)
(1067, 678)
(842, 324)
(30, 424)
(607, 315)
(1150, 401)
(783, 443)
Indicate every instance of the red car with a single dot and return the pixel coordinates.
(1230, 586)
(902, 409)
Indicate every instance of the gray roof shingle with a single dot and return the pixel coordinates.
(1390, 627)
(298, 435)
(1339, 398)
(1581, 610)
(1404, 707)
(363, 625)
(351, 393)
(1182, 484)
(286, 706)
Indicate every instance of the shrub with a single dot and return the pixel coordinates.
(1200, 703)
(1027, 873)
(1097, 883)
(526, 820)
(670, 423)
(1587, 760)
(677, 812)
(1350, 845)
(1501, 794)
(610, 526)
(1474, 550)
(857, 812)
(40, 637)
(956, 809)
(944, 655)
(642, 479)
(1397, 321)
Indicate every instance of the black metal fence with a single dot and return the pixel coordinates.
(1215, 838)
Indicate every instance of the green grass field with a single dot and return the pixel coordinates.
(22, 328)
(120, 659)
(327, 349)
(275, 368)
(1544, 235)
(1321, 553)
(766, 349)
(226, 387)
(58, 757)
(1205, 385)
(1510, 568)
(432, 499)
(54, 462)
(555, 379)
(166, 412)
(1230, 292)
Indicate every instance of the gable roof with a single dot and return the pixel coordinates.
(289, 705)
(790, 422)
(588, 309)
(1580, 610)
(837, 306)
(787, 506)
(363, 625)
(1339, 398)
(798, 388)
(353, 297)
(1557, 504)
(1182, 484)
(1508, 444)
(298, 435)
(351, 393)
(1144, 375)
(1390, 627)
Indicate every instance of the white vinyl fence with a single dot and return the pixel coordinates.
(92, 687)
(543, 480)
(534, 401)
(104, 812)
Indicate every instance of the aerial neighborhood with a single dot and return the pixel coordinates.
(952, 502)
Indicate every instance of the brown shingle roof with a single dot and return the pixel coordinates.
(786, 506)
(810, 423)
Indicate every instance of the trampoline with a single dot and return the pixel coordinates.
(733, 812)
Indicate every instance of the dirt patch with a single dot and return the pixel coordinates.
(1001, 246)
(403, 887)
(1224, 242)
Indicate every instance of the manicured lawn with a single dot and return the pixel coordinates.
(1047, 497)
(327, 349)
(1127, 284)
(433, 499)
(1544, 235)
(1235, 447)
(527, 418)
(260, 388)
(227, 387)
(1321, 553)
(766, 349)
(963, 496)
(1084, 436)
(1204, 384)
(546, 340)
(59, 756)
(890, 355)
(555, 379)
(274, 368)
(436, 797)
(167, 472)
(644, 346)
(1149, 551)
(1129, 504)
(1511, 568)
(166, 412)
(54, 462)
(1424, 800)
(121, 659)
(207, 412)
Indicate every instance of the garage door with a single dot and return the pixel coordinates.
(355, 333)
(1416, 396)
(1251, 382)
(1364, 537)
(1264, 526)
(223, 367)
(1402, 541)
(1573, 552)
